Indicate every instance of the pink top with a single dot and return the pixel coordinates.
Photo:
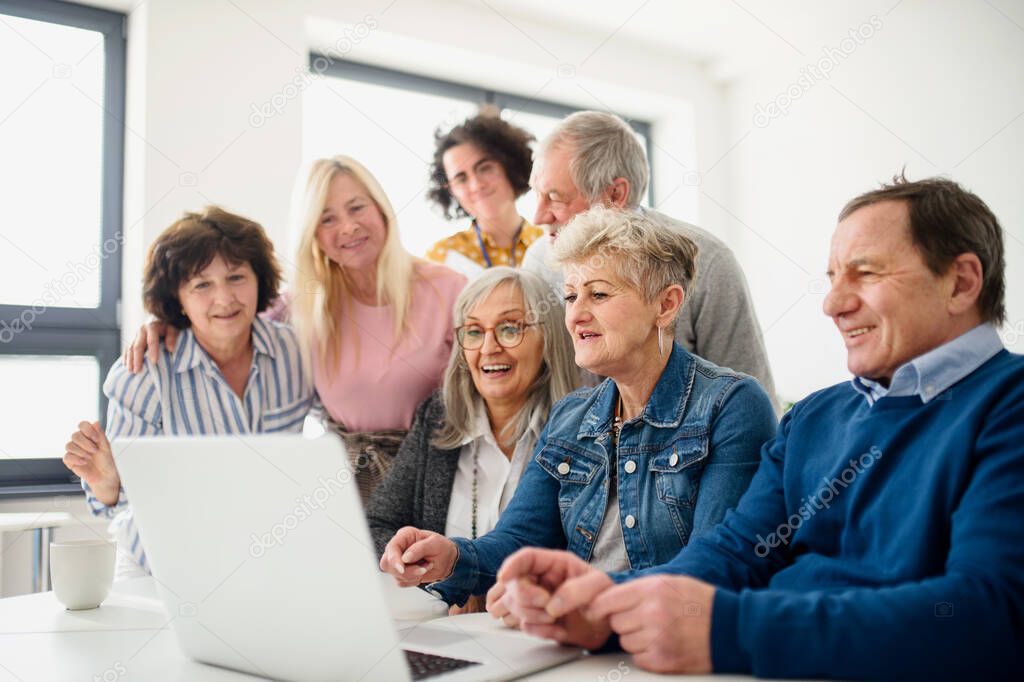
(378, 386)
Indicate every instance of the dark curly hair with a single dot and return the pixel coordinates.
(507, 144)
(190, 244)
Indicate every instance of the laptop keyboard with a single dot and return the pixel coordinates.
(424, 665)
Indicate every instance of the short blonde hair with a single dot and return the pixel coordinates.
(644, 254)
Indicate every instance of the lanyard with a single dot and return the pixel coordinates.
(483, 248)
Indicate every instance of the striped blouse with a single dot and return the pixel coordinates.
(186, 394)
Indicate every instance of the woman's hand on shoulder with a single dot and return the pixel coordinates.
(148, 340)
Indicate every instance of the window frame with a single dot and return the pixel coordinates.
(94, 332)
(403, 80)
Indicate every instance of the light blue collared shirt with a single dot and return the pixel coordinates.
(929, 375)
(186, 394)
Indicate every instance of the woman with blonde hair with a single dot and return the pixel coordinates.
(374, 322)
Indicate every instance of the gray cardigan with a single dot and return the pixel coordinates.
(418, 487)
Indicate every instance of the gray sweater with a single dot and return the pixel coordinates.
(418, 487)
(717, 320)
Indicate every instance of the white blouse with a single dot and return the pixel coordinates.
(497, 477)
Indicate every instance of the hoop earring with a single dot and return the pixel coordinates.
(661, 343)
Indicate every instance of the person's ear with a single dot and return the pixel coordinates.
(966, 276)
(670, 301)
(617, 193)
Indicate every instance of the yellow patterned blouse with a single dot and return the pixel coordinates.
(461, 251)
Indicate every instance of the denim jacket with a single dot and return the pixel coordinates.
(681, 464)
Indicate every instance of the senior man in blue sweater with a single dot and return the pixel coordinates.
(883, 534)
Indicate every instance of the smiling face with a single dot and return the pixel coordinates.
(220, 302)
(889, 307)
(351, 231)
(477, 181)
(610, 323)
(504, 374)
(558, 198)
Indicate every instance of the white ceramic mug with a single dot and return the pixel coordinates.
(82, 572)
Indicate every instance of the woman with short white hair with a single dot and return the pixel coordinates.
(637, 466)
(594, 158)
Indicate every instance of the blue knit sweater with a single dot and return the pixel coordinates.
(878, 542)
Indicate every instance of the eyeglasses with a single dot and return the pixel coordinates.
(484, 170)
(507, 334)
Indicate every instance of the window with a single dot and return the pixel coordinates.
(386, 120)
(61, 122)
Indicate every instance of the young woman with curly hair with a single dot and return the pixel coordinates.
(480, 168)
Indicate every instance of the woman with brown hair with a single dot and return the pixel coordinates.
(373, 321)
(480, 168)
(208, 276)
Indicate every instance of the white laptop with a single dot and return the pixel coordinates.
(262, 556)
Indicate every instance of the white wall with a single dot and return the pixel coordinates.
(937, 87)
(195, 69)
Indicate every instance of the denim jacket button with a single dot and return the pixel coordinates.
(563, 468)
(630, 466)
(673, 460)
(630, 521)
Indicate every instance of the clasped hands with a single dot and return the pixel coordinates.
(663, 620)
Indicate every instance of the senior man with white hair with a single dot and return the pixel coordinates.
(594, 158)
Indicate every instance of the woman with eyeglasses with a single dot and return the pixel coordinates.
(470, 441)
(480, 168)
(626, 473)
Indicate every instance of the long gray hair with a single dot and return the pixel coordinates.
(558, 373)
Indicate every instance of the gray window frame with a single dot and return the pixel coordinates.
(92, 332)
(402, 80)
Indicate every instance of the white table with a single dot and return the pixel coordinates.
(128, 638)
(41, 525)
